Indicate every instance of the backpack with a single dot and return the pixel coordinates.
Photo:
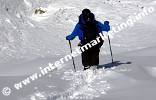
(89, 26)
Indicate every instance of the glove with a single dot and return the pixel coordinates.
(106, 26)
(69, 37)
(106, 23)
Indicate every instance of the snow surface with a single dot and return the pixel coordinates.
(29, 41)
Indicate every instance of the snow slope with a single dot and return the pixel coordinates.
(29, 41)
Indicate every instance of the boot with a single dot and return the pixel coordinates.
(86, 67)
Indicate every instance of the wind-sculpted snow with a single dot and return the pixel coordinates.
(16, 39)
(26, 35)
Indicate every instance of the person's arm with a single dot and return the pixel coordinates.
(74, 33)
(104, 27)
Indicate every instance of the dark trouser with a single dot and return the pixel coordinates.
(90, 57)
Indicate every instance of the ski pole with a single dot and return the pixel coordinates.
(72, 56)
(110, 49)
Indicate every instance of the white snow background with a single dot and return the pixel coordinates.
(29, 41)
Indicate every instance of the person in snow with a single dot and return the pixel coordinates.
(88, 29)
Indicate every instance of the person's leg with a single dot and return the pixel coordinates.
(94, 59)
(95, 56)
(85, 60)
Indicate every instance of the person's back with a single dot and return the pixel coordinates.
(89, 27)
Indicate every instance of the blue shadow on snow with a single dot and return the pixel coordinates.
(115, 64)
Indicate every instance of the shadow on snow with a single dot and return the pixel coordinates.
(114, 64)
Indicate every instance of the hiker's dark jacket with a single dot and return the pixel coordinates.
(79, 32)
